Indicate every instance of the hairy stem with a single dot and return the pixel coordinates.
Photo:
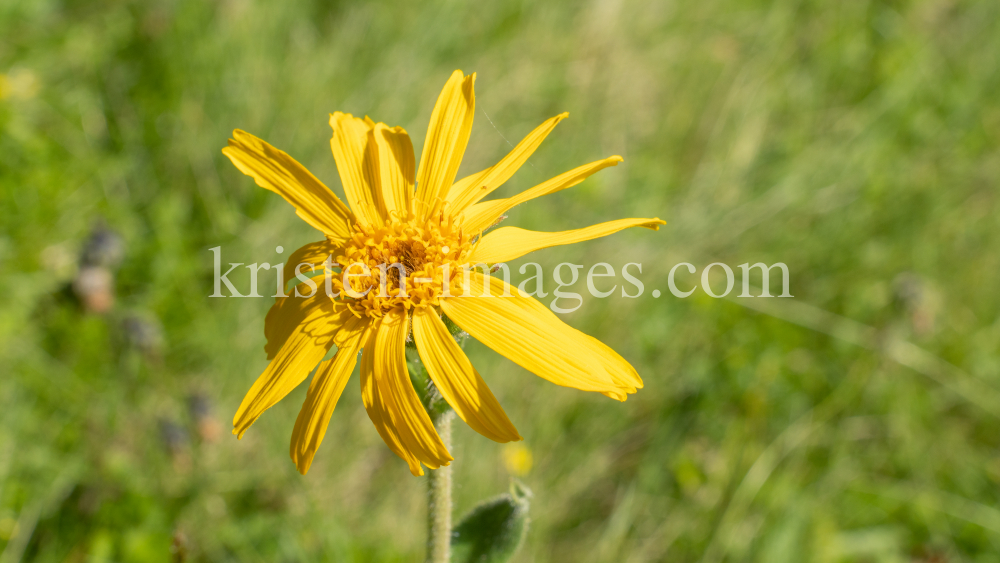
(439, 499)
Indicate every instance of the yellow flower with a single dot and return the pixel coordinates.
(431, 226)
(518, 459)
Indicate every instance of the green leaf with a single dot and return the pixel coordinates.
(454, 329)
(493, 531)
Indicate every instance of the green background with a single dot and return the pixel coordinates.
(855, 141)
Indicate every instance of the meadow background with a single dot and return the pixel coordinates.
(855, 141)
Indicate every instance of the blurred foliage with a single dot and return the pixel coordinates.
(494, 529)
(856, 142)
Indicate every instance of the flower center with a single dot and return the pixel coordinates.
(403, 263)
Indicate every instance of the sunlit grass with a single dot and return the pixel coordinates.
(856, 142)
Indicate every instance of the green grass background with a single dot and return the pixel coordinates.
(855, 141)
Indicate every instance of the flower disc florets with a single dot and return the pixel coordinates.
(405, 262)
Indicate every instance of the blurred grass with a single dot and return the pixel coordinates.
(855, 141)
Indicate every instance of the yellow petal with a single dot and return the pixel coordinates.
(447, 137)
(324, 392)
(473, 188)
(620, 370)
(508, 243)
(457, 380)
(395, 158)
(288, 313)
(402, 410)
(313, 255)
(304, 347)
(376, 403)
(357, 163)
(480, 216)
(530, 335)
(274, 170)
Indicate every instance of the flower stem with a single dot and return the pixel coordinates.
(439, 499)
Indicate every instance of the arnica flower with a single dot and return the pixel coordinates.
(429, 226)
